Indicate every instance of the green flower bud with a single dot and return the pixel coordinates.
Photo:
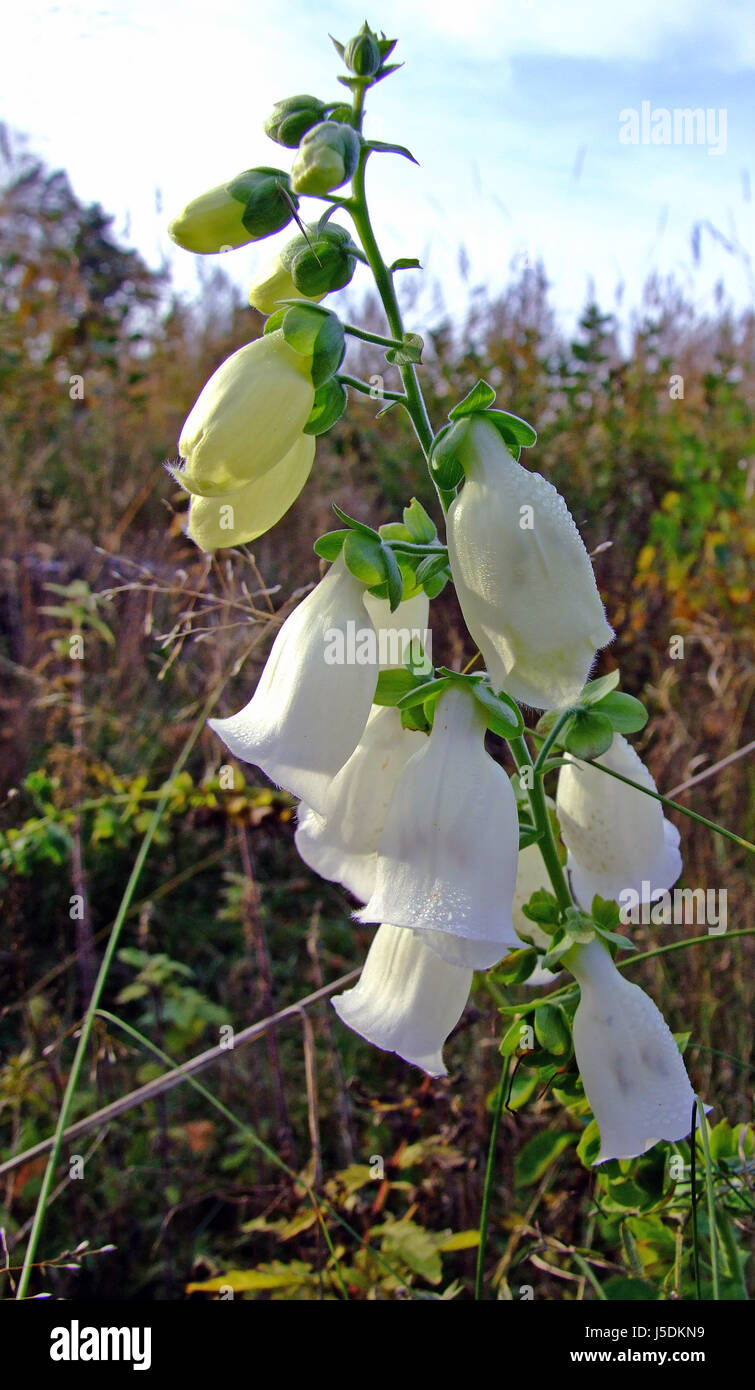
(274, 283)
(328, 156)
(362, 54)
(247, 208)
(322, 261)
(289, 120)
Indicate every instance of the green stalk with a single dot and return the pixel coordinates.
(107, 960)
(711, 1201)
(487, 1190)
(357, 207)
(546, 842)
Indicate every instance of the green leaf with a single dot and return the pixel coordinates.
(479, 398)
(430, 567)
(380, 147)
(410, 352)
(511, 427)
(588, 1147)
(536, 1156)
(588, 734)
(420, 526)
(621, 1289)
(405, 263)
(329, 546)
(528, 835)
(626, 714)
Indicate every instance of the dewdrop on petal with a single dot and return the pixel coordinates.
(631, 1068)
(307, 715)
(407, 1000)
(618, 839)
(523, 578)
(446, 862)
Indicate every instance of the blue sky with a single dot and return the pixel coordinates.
(513, 111)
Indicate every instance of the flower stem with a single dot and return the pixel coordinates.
(489, 1175)
(546, 841)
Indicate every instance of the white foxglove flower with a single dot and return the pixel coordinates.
(307, 715)
(401, 633)
(618, 839)
(631, 1068)
(407, 1000)
(342, 843)
(523, 577)
(235, 518)
(531, 876)
(446, 863)
(247, 417)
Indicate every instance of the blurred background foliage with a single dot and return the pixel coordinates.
(99, 364)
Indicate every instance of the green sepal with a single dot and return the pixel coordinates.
(514, 969)
(597, 689)
(423, 692)
(560, 945)
(605, 913)
(528, 835)
(352, 522)
(503, 715)
(445, 464)
(269, 204)
(431, 566)
(512, 428)
(421, 527)
(552, 1031)
(626, 714)
(328, 407)
(410, 352)
(374, 564)
(316, 333)
(415, 719)
(393, 685)
(479, 398)
(579, 926)
(329, 546)
(588, 734)
(274, 322)
(623, 942)
(542, 908)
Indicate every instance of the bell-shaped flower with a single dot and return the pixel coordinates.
(620, 844)
(523, 577)
(247, 417)
(238, 517)
(407, 1000)
(446, 862)
(631, 1068)
(342, 843)
(308, 713)
(404, 634)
